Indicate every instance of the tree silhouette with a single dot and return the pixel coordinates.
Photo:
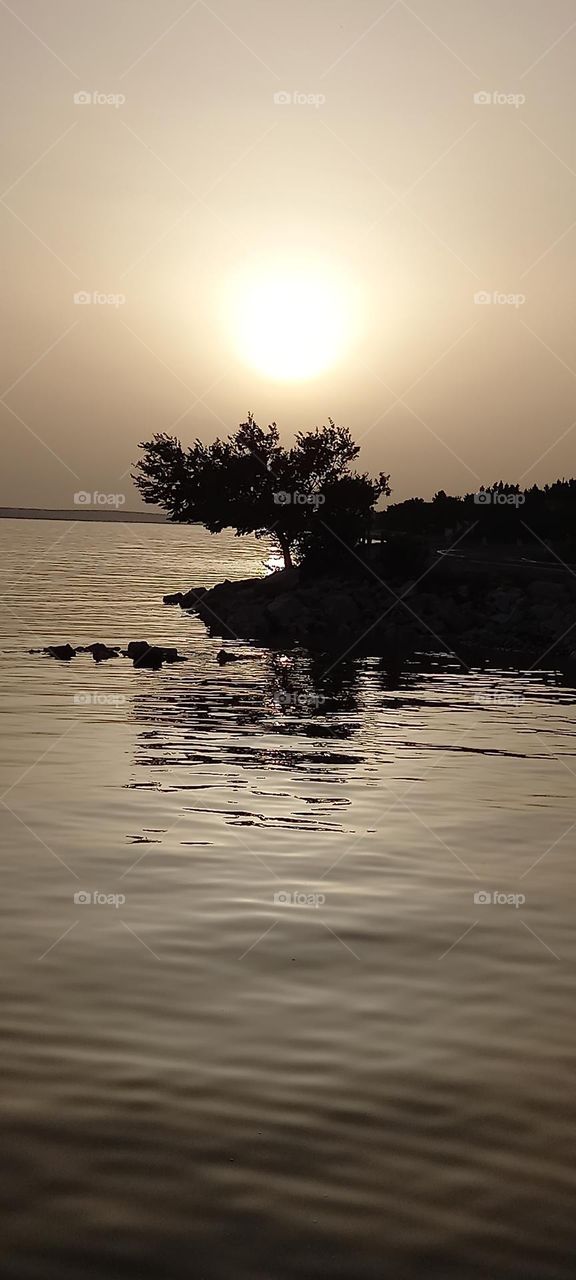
(253, 484)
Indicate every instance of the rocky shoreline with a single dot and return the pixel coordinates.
(494, 614)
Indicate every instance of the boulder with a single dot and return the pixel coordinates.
(144, 654)
(222, 657)
(287, 611)
(151, 657)
(100, 652)
(175, 598)
(547, 589)
(64, 652)
(188, 599)
(171, 655)
(137, 648)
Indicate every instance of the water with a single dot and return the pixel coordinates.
(371, 1079)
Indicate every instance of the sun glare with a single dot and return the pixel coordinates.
(292, 324)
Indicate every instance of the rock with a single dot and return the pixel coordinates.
(64, 652)
(223, 657)
(171, 655)
(344, 610)
(504, 601)
(541, 611)
(342, 607)
(137, 648)
(100, 652)
(144, 654)
(189, 599)
(175, 598)
(151, 657)
(287, 611)
(547, 589)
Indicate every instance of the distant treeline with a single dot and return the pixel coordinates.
(500, 513)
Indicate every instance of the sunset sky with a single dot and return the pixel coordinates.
(293, 208)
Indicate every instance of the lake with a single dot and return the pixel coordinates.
(288, 947)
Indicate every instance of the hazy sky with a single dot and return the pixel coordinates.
(398, 183)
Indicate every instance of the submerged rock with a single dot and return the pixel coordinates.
(172, 655)
(223, 657)
(64, 652)
(141, 652)
(152, 655)
(137, 648)
(186, 599)
(100, 652)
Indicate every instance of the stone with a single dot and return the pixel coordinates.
(171, 655)
(286, 611)
(151, 657)
(137, 648)
(547, 589)
(188, 599)
(223, 657)
(100, 652)
(64, 652)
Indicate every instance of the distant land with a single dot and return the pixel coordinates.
(83, 513)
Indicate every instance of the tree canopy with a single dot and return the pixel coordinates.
(499, 512)
(252, 483)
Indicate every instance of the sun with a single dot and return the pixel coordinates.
(292, 322)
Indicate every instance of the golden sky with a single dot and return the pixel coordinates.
(400, 175)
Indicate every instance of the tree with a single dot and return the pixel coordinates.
(253, 484)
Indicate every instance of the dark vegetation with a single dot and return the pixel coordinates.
(487, 576)
(253, 484)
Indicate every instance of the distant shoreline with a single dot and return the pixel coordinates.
(83, 513)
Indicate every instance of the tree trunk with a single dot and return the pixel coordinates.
(285, 548)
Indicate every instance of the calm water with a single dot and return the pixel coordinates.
(374, 1078)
